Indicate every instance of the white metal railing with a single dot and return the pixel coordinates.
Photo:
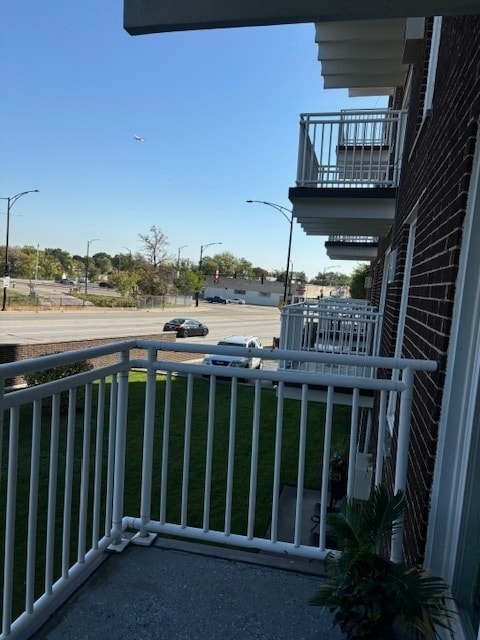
(344, 326)
(351, 148)
(73, 478)
(354, 239)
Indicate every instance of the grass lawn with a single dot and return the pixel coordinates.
(197, 457)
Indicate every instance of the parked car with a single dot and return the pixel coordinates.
(247, 362)
(216, 299)
(105, 284)
(236, 301)
(67, 281)
(186, 327)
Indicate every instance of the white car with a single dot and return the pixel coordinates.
(235, 301)
(247, 362)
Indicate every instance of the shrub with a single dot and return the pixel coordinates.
(57, 373)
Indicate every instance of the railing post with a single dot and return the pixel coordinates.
(10, 511)
(143, 536)
(402, 454)
(119, 468)
(303, 136)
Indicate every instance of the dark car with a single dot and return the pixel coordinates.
(186, 327)
(216, 299)
(67, 281)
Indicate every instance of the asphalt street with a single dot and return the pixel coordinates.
(29, 327)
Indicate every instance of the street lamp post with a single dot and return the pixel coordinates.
(334, 266)
(129, 258)
(36, 270)
(284, 211)
(86, 263)
(178, 254)
(10, 202)
(204, 246)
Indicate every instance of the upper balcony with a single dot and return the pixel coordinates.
(352, 247)
(349, 166)
(151, 442)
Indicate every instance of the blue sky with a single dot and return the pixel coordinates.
(218, 110)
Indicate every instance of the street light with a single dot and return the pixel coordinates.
(36, 270)
(334, 266)
(289, 218)
(10, 202)
(204, 246)
(178, 255)
(86, 263)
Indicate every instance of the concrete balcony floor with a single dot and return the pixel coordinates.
(182, 591)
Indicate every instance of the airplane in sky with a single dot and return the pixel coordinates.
(138, 138)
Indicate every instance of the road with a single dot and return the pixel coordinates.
(29, 327)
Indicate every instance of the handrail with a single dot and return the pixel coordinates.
(357, 148)
(80, 459)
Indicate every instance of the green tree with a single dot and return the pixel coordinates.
(102, 262)
(258, 272)
(357, 281)
(62, 257)
(51, 268)
(125, 282)
(244, 267)
(278, 275)
(155, 281)
(298, 276)
(190, 281)
(21, 262)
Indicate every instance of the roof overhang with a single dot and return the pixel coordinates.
(155, 16)
(328, 212)
(369, 57)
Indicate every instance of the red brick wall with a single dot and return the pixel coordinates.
(14, 352)
(436, 174)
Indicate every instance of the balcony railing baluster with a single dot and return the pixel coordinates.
(184, 444)
(350, 148)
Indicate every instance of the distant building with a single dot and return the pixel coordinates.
(268, 293)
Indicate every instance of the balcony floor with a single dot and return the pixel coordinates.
(172, 591)
(176, 590)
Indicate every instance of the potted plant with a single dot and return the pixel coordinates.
(371, 596)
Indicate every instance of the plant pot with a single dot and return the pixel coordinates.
(338, 486)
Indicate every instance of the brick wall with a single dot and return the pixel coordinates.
(14, 352)
(436, 174)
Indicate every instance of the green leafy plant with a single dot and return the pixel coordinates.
(369, 594)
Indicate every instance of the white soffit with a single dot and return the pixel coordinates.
(364, 56)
